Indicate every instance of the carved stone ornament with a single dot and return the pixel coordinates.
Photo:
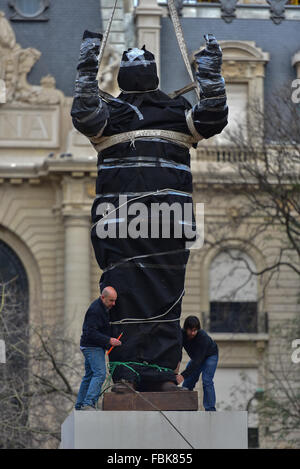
(179, 6)
(90, 190)
(234, 69)
(15, 64)
(228, 8)
(277, 10)
(233, 214)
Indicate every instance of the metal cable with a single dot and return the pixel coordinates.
(135, 198)
(161, 412)
(181, 41)
(151, 319)
(105, 37)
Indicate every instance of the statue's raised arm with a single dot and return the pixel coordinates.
(210, 114)
(89, 112)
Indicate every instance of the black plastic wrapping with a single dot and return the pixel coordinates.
(209, 62)
(211, 113)
(148, 273)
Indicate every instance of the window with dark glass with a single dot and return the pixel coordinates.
(233, 293)
(234, 316)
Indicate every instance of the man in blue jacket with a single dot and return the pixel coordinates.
(203, 352)
(94, 340)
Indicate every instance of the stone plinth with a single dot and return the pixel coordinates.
(150, 430)
(152, 401)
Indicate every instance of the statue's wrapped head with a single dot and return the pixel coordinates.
(138, 71)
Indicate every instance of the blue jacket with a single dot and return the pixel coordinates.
(96, 327)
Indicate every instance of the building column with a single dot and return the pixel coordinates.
(77, 273)
(148, 15)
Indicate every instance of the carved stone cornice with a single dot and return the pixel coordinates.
(57, 167)
(15, 64)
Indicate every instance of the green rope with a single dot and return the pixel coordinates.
(113, 365)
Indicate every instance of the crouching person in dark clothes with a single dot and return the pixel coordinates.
(94, 340)
(204, 355)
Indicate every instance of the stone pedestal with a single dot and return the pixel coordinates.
(174, 400)
(150, 430)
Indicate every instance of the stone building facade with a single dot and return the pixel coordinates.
(48, 170)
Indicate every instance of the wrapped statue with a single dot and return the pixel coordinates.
(144, 181)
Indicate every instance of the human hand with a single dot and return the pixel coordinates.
(179, 379)
(115, 342)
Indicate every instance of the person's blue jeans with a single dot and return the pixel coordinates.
(207, 368)
(95, 373)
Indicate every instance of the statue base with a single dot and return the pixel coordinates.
(151, 401)
(150, 430)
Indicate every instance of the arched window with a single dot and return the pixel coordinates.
(29, 9)
(14, 299)
(14, 384)
(243, 66)
(233, 293)
(13, 279)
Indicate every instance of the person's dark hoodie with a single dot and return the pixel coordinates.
(198, 349)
